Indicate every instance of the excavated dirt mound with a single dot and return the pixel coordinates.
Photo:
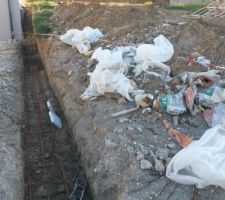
(111, 148)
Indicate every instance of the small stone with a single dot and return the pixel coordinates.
(159, 166)
(129, 128)
(130, 150)
(168, 161)
(139, 129)
(162, 153)
(145, 152)
(46, 156)
(118, 130)
(175, 120)
(123, 120)
(145, 164)
(146, 35)
(70, 73)
(140, 156)
(110, 144)
(171, 146)
(122, 101)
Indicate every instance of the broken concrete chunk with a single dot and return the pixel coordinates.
(145, 164)
(140, 156)
(159, 166)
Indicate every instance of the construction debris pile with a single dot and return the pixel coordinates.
(195, 92)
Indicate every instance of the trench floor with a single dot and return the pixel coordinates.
(52, 163)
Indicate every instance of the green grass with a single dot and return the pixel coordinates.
(188, 7)
(42, 22)
(44, 5)
(42, 12)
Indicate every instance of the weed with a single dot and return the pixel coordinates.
(42, 22)
(42, 12)
(188, 7)
(44, 5)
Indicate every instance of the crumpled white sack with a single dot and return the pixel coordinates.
(81, 39)
(162, 51)
(147, 66)
(93, 35)
(103, 81)
(202, 162)
(118, 59)
(109, 60)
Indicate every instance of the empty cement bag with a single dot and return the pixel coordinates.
(162, 51)
(55, 119)
(201, 163)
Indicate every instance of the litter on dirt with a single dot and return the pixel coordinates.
(202, 162)
(182, 139)
(81, 39)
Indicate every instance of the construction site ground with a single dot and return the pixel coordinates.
(110, 147)
(92, 144)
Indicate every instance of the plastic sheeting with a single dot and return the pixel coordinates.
(113, 66)
(81, 39)
(202, 162)
(154, 55)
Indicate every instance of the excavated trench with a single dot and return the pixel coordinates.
(52, 162)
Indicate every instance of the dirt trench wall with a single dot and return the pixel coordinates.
(89, 127)
(11, 107)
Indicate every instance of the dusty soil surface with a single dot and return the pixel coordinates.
(111, 148)
(11, 106)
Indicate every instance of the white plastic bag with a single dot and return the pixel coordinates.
(109, 60)
(102, 81)
(81, 39)
(93, 35)
(118, 59)
(162, 51)
(202, 162)
(55, 119)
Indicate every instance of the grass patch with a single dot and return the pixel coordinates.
(42, 22)
(44, 5)
(188, 7)
(42, 12)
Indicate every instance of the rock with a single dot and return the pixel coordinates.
(162, 153)
(171, 145)
(145, 164)
(122, 101)
(130, 150)
(168, 161)
(175, 120)
(145, 152)
(140, 156)
(146, 35)
(123, 120)
(139, 129)
(46, 156)
(110, 144)
(129, 128)
(118, 130)
(159, 166)
(70, 73)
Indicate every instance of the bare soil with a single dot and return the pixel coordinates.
(109, 146)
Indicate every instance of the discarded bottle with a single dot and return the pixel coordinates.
(211, 96)
(173, 104)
